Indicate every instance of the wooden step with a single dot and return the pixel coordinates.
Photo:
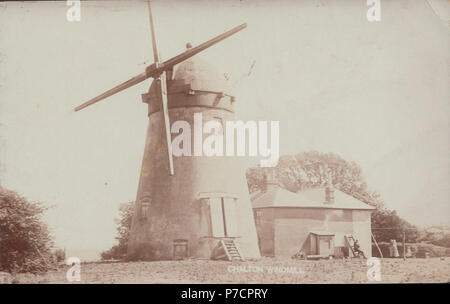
(231, 250)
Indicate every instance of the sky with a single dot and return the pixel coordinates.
(375, 93)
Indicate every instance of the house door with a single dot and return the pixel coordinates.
(325, 246)
(223, 217)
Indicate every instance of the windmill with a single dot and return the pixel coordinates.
(195, 212)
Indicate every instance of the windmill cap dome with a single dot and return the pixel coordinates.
(201, 75)
(194, 83)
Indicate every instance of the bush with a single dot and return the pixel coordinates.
(119, 251)
(418, 250)
(444, 241)
(59, 255)
(25, 242)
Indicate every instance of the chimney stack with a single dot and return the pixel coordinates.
(270, 179)
(329, 190)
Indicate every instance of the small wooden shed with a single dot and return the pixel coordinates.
(321, 243)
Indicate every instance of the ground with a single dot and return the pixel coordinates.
(265, 270)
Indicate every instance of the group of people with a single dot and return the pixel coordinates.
(393, 250)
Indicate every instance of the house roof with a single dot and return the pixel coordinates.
(308, 198)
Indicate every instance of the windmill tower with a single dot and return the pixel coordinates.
(198, 205)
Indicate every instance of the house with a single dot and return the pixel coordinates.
(320, 222)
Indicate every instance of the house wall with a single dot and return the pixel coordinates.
(292, 226)
(264, 220)
(362, 230)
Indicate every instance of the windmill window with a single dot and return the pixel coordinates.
(219, 119)
(258, 216)
(145, 206)
(144, 211)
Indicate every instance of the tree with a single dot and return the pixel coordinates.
(119, 251)
(387, 225)
(59, 255)
(311, 169)
(25, 242)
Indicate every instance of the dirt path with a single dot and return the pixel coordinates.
(266, 270)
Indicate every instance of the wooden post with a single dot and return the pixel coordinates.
(404, 245)
(376, 244)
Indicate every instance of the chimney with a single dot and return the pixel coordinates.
(271, 182)
(329, 190)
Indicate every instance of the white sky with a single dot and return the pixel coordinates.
(375, 93)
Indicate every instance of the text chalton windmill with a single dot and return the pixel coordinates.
(204, 209)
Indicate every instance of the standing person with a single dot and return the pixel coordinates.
(393, 250)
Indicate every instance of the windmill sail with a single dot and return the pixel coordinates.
(155, 70)
(162, 90)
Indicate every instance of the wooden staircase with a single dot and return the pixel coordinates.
(231, 249)
(227, 249)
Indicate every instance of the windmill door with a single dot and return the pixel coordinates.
(223, 217)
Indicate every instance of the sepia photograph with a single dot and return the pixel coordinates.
(243, 142)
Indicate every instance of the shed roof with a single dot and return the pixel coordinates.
(308, 198)
(322, 233)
